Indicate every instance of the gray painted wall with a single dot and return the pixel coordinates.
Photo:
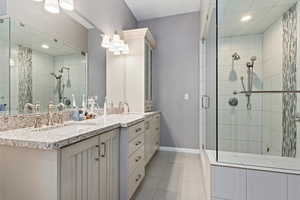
(175, 72)
(108, 17)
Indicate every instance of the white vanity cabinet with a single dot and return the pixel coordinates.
(132, 160)
(152, 136)
(129, 77)
(89, 169)
(86, 170)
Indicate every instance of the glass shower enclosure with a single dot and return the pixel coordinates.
(258, 83)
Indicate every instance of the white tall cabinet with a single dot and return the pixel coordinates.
(129, 77)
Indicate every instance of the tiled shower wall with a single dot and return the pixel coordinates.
(4, 69)
(77, 65)
(240, 130)
(272, 77)
(42, 82)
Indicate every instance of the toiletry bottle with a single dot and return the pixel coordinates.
(105, 107)
(83, 102)
(73, 101)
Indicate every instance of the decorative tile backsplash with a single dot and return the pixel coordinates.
(25, 121)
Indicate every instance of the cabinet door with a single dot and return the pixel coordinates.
(109, 166)
(80, 171)
(147, 143)
(148, 72)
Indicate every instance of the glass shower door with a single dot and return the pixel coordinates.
(5, 63)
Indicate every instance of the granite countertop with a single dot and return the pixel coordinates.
(72, 132)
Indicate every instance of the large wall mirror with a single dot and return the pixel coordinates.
(37, 68)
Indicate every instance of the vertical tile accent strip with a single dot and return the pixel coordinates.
(25, 77)
(289, 24)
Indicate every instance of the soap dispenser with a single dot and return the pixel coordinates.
(73, 101)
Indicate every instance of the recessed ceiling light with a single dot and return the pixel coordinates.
(246, 18)
(45, 46)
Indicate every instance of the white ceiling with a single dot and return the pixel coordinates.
(150, 9)
(264, 13)
(29, 37)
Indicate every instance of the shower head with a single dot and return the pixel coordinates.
(236, 56)
(56, 76)
(64, 68)
(253, 58)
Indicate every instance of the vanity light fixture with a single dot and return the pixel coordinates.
(44, 46)
(52, 6)
(117, 53)
(246, 18)
(115, 44)
(126, 49)
(105, 41)
(67, 4)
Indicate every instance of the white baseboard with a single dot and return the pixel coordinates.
(181, 150)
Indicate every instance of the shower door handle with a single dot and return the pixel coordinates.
(205, 102)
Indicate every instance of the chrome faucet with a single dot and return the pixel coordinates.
(126, 108)
(60, 108)
(51, 111)
(35, 108)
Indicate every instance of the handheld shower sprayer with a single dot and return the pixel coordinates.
(250, 74)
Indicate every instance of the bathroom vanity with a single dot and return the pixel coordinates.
(82, 160)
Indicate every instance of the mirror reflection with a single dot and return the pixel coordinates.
(42, 69)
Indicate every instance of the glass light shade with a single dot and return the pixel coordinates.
(116, 41)
(67, 4)
(38, 0)
(125, 49)
(117, 53)
(52, 6)
(106, 41)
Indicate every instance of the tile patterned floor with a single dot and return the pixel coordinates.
(172, 176)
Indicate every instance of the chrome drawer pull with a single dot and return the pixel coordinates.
(138, 130)
(138, 158)
(138, 178)
(104, 152)
(98, 153)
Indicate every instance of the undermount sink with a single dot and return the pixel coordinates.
(77, 125)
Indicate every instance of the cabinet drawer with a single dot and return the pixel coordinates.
(135, 144)
(136, 159)
(135, 130)
(135, 180)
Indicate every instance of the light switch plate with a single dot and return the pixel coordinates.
(186, 96)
